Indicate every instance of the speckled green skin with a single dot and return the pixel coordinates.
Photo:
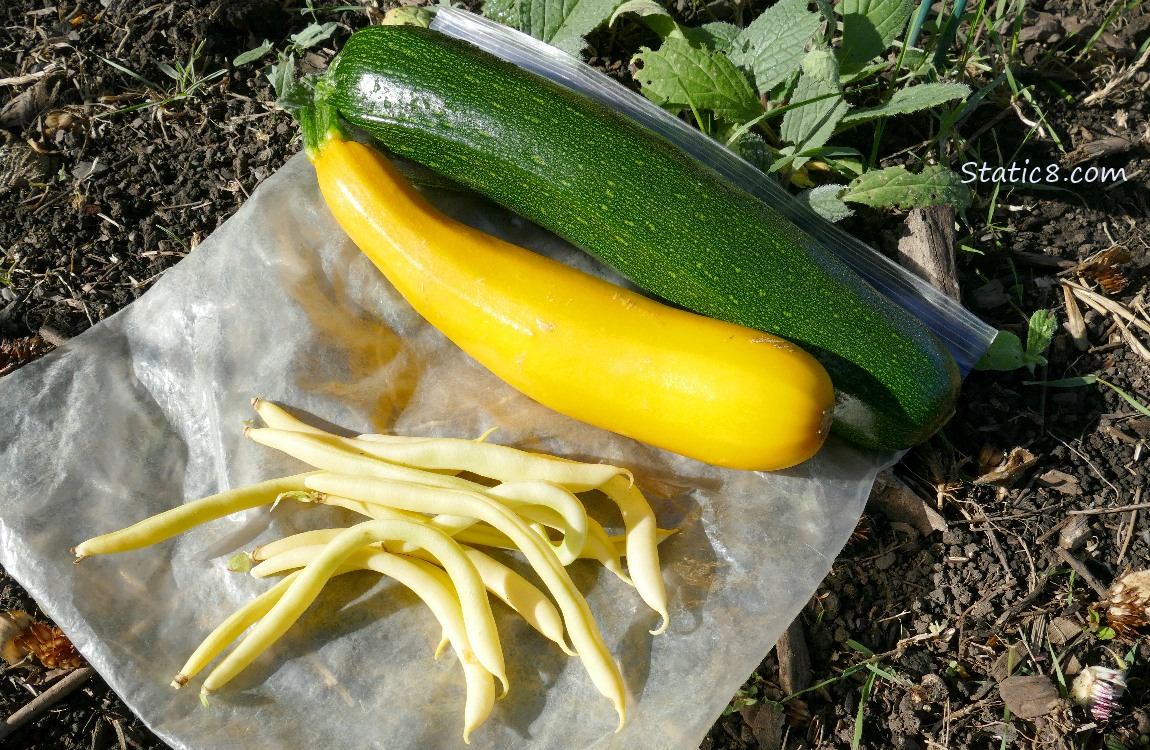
(631, 199)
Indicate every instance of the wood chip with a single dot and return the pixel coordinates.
(901, 504)
(794, 659)
(1062, 630)
(1098, 149)
(766, 722)
(1074, 533)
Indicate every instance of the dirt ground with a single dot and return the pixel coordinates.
(1037, 492)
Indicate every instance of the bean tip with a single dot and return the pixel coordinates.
(662, 626)
(179, 680)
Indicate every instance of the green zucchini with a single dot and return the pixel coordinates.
(631, 199)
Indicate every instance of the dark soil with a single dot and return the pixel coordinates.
(96, 202)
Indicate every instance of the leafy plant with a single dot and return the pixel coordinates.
(783, 88)
(748, 695)
(188, 82)
(1100, 631)
(284, 65)
(1007, 351)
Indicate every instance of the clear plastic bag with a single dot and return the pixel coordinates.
(146, 410)
(964, 335)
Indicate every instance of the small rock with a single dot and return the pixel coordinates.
(85, 169)
(1045, 29)
(886, 562)
(935, 687)
(1029, 696)
(766, 724)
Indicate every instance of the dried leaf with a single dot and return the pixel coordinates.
(1029, 696)
(1061, 481)
(1011, 468)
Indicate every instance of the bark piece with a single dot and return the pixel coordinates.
(926, 247)
(901, 504)
(794, 659)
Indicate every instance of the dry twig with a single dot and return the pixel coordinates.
(45, 700)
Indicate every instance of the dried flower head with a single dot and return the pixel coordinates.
(17, 352)
(1098, 689)
(1106, 269)
(1128, 604)
(22, 639)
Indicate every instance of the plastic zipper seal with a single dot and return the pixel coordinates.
(964, 335)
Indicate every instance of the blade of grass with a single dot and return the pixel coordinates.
(856, 740)
(130, 72)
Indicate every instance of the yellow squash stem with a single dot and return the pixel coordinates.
(713, 391)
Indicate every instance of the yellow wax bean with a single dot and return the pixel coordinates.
(168, 524)
(435, 588)
(229, 630)
(516, 592)
(581, 627)
(642, 544)
(275, 416)
(476, 608)
(499, 462)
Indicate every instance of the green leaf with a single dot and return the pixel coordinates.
(169, 71)
(505, 12)
(1004, 354)
(291, 95)
(1077, 382)
(772, 47)
(808, 127)
(910, 99)
(1082, 380)
(1040, 331)
(681, 76)
(313, 35)
(654, 15)
(253, 54)
(719, 35)
(870, 28)
(825, 201)
(409, 15)
(564, 23)
(821, 64)
(753, 148)
(895, 186)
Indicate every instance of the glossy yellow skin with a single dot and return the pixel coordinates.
(712, 391)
